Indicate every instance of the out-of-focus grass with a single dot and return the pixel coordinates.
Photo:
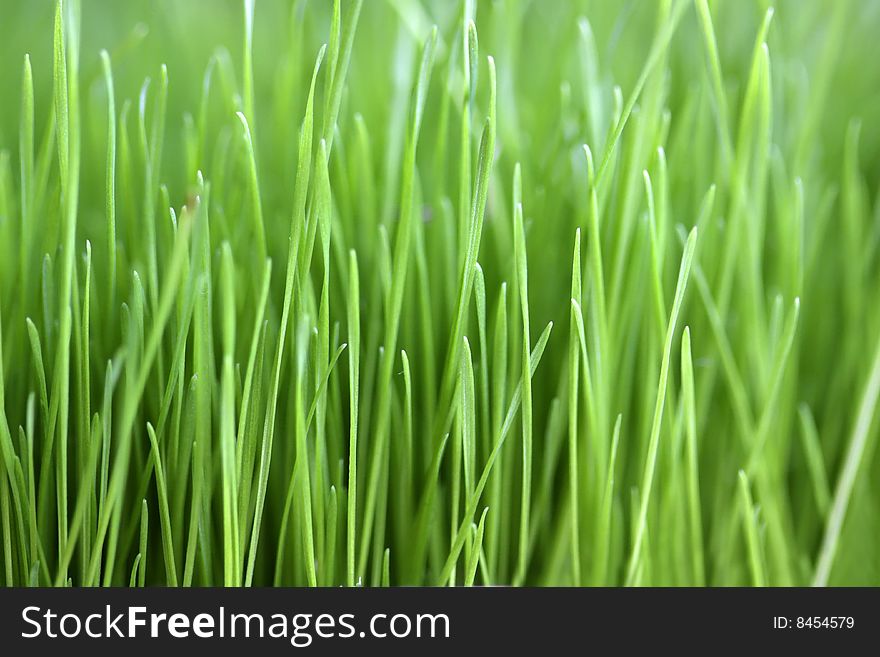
(439, 293)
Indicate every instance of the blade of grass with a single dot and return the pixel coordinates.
(858, 446)
(695, 524)
(654, 442)
(753, 540)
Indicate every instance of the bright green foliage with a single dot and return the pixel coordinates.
(448, 293)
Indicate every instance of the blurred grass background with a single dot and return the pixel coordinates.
(824, 81)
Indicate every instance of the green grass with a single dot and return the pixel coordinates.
(460, 293)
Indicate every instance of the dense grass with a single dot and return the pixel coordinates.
(550, 293)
